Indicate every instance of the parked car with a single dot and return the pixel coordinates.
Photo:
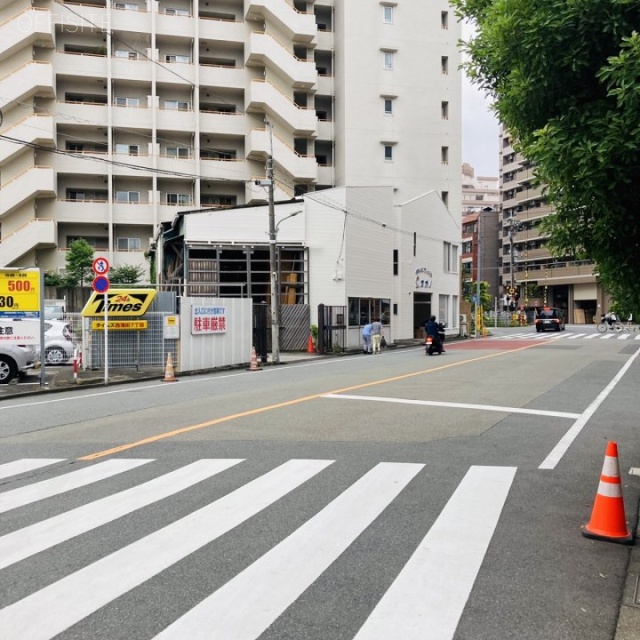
(549, 318)
(16, 359)
(58, 342)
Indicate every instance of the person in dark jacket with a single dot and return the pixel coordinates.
(432, 328)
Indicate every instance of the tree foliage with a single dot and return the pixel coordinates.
(126, 274)
(565, 76)
(470, 291)
(79, 261)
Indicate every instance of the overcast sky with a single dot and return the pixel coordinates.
(479, 127)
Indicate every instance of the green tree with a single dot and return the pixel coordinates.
(79, 261)
(564, 78)
(471, 290)
(53, 279)
(126, 274)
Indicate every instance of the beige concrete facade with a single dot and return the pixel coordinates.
(118, 114)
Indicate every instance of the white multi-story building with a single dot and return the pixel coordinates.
(116, 114)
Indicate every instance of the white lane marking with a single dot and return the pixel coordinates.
(26, 464)
(634, 471)
(624, 336)
(592, 336)
(609, 336)
(46, 613)
(565, 442)
(66, 482)
(637, 337)
(43, 535)
(457, 405)
(428, 597)
(577, 335)
(246, 605)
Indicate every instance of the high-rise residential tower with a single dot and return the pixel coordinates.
(118, 114)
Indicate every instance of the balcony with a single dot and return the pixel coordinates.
(218, 76)
(87, 211)
(33, 129)
(32, 78)
(31, 28)
(35, 234)
(81, 65)
(223, 123)
(93, 112)
(35, 182)
(216, 169)
(263, 97)
(225, 30)
(299, 27)
(255, 194)
(263, 50)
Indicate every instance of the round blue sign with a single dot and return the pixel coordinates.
(101, 284)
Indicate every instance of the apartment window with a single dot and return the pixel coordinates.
(444, 19)
(415, 243)
(444, 65)
(178, 152)
(388, 153)
(218, 154)
(450, 257)
(395, 262)
(222, 201)
(387, 15)
(127, 102)
(177, 12)
(128, 149)
(178, 199)
(128, 6)
(179, 105)
(444, 155)
(84, 195)
(444, 110)
(365, 310)
(445, 198)
(177, 58)
(128, 197)
(129, 244)
(127, 55)
(388, 107)
(388, 59)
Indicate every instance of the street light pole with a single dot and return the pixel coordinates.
(273, 268)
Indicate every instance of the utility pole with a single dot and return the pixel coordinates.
(273, 266)
(479, 261)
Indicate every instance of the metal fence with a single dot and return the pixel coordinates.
(145, 348)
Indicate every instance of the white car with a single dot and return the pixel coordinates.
(58, 342)
(16, 359)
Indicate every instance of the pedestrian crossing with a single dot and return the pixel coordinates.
(567, 335)
(426, 598)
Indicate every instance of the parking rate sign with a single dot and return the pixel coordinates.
(19, 293)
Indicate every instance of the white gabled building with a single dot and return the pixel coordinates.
(350, 247)
(116, 114)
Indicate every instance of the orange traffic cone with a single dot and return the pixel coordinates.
(608, 520)
(310, 347)
(254, 361)
(169, 375)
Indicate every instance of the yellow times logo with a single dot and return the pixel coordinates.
(119, 302)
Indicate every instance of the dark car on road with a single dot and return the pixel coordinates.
(549, 319)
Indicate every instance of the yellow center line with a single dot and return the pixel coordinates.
(289, 403)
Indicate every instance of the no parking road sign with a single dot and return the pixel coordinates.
(101, 284)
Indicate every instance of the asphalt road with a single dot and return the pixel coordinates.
(368, 498)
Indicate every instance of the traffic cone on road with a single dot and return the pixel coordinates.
(254, 361)
(169, 375)
(608, 521)
(310, 347)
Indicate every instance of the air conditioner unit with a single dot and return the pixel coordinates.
(463, 318)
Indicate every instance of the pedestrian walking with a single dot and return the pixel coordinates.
(376, 335)
(366, 338)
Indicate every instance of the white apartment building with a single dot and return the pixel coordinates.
(117, 114)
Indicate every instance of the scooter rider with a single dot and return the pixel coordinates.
(433, 329)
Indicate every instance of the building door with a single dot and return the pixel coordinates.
(421, 313)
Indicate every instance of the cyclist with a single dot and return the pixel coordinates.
(609, 318)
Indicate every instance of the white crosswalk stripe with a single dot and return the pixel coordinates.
(26, 464)
(443, 567)
(55, 486)
(567, 335)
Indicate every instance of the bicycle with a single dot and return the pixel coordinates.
(615, 325)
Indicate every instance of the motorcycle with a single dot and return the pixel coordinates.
(435, 346)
